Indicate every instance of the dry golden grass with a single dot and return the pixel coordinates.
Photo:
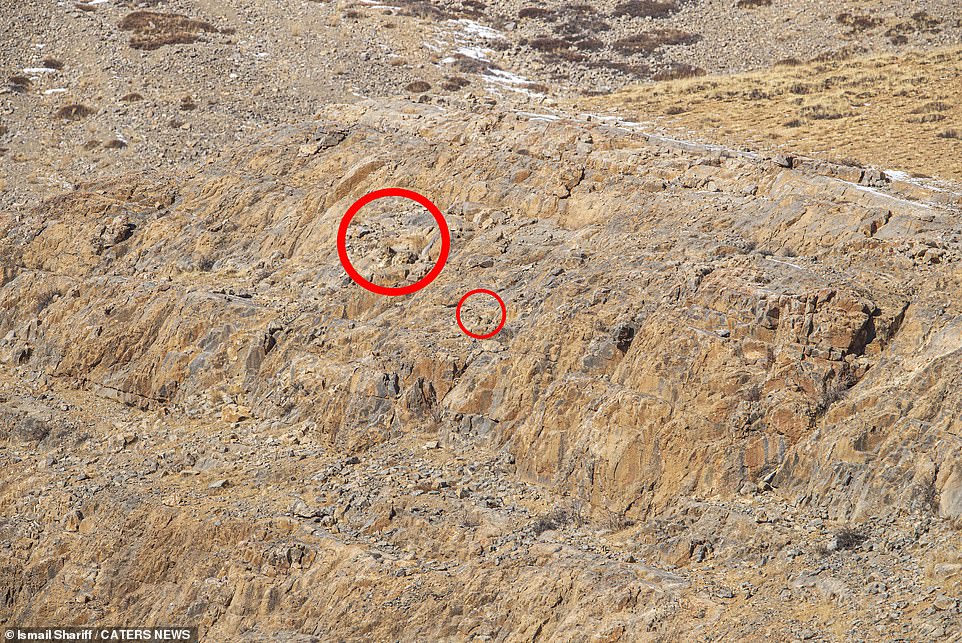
(896, 112)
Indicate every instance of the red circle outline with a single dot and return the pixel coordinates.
(485, 291)
(386, 290)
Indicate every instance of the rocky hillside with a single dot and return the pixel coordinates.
(725, 404)
(725, 401)
(98, 88)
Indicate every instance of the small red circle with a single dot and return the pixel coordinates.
(476, 291)
(386, 290)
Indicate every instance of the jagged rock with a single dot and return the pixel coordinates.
(783, 160)
(233, 413)
(72, 520)
(657, 358)
(944, 603)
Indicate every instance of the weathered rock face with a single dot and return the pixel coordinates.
(683, 323)
(636, 318)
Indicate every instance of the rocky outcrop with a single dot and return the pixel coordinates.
(684, 323)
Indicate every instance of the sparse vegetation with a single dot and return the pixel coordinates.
(932, 106)
(52, 63)
(831, 55)
(858, 23)
(539, 13)
(131, 97)
(921, 22)
(454, 83)
(548, 43)
(152, 29)
(835, 390)
(417, 87)
(849, 538)
(655, 9)
(74, 112)
(473, 7)
(927, 118)
(557, 519)
(847, 161)
(825, 111)
(20, 84)
(588, 44)
(470, 65)
(753, 4)
(950, 133)
(614, 521)
(676, 71)
(423, 9)
(582, 27)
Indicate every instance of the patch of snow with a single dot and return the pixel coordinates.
(474, 52)
(878, 192)
(475, 29)
(505, 77)
(39, 70)
(617, 122)
(55, 90)
(642, 128)
(531, 116)
(510, 81)
(898, 175)
(905, 177)
(683, 143)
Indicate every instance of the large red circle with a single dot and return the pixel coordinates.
(386, 290)
(504, 313)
